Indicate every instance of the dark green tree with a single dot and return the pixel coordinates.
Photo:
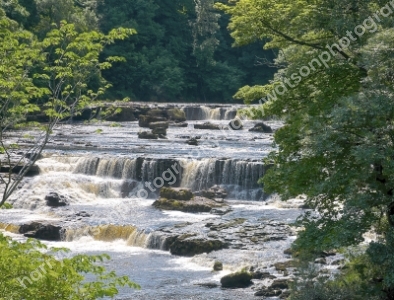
(334, 91)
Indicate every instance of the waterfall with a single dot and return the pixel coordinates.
(209, 113)
(122, 176)
(122, 168)
(238, 176)
(108, 233)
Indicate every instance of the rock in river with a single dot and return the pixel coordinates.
(41, 231)
(147, 135)
(237, 280)
(184, 200)
(261, 127)
(53, 199)
(186, 245)
(207, 125)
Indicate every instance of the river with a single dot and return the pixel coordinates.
(102, 169)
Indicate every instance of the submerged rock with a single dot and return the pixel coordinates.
(176, 114)
(145, 121)
(280, 284)
(261, 127)
(282, 266)
(176, 193)
(209, 285)
(147, 135)
(34, 170)
(192, 142)
(268, 292)
(237, 280)
(215, 192)
(155, 125)
(159, 131)
(262, 275)
(182, 124)
(218, 266)
(207, 125)
(195, 205)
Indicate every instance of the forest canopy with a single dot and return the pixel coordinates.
(182, 50)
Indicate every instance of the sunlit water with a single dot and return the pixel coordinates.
(98, 174)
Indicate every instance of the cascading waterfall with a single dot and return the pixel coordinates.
(239, 177)
(108, 233)
(209, 113)
(125, 175)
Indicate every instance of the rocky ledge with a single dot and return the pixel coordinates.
(42, 231)
(184, 200)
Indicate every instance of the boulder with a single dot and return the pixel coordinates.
(261, 127)
(190, 246)
(34, 155)
(53, 199)
(145, 120)
(207, 125)
(41, 231)
(237, 280)
(220, 211)
(218, 266)
(125, 114)
(147, 135)
(262, 275)
(160, 130)
(196, 205)
(209, 285)
(280, 284)
(236, 124)
(182, 124)
(161, 124)
(268, 292)
(176, 114)
(192, 142)
(157, 112)
(282, 266)
(208, 194)
(320, 260)
(176, 193)
(215, 192)
(33, 171)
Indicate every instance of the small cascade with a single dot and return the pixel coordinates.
(240, 177)
(209, 113)
(230, 114)
(109, 233)
(158, 241)
(58, 164)
(9, 227)
(122, 168)
(214, 114)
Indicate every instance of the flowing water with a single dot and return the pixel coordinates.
(111, 179)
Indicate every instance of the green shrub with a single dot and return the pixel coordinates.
(6, 206)
(357, 281)
(31, 271)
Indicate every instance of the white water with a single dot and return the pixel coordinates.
(103, 182)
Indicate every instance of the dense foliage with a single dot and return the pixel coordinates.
(182, 52)
(30, 270)
(57, 76)
(334, 90)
